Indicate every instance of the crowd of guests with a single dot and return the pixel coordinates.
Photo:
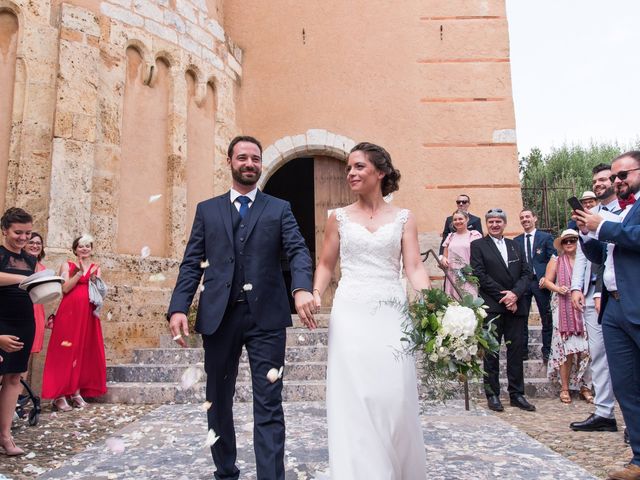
(75, 365)
(583, 283)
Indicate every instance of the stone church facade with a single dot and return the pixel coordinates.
(115, 116)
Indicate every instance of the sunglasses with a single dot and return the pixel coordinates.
(569, 241)
(622, 175)
(462, 202)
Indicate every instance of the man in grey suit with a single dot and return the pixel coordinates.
(585, 296)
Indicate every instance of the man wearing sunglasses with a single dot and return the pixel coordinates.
(620, 312)
(462, 203)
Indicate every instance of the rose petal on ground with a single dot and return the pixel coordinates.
(155, 198)
(211, 438)
(116, 445)
(145, 252)
(30, 455)
(190, 377)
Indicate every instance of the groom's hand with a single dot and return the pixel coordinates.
(305, 306)
(178, 322)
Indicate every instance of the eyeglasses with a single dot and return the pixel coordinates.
(462, 202)
(622, 175)
(31, 242)
(569, 241)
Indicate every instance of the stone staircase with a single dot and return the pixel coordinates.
(154, 376)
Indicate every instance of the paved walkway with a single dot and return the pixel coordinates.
(168, 443)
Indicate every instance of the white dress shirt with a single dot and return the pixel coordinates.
(234, 194)
(502, 247)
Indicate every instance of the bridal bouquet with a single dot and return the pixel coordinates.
(450, 338)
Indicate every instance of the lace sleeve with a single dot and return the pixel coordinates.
(340, 215)
(403, 216)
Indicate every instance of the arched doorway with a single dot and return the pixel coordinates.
(313, 185)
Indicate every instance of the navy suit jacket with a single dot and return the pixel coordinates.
(626, 260)
(271, 230)
(495, 276)
(541, 251)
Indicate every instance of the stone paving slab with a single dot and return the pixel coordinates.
(168, 443)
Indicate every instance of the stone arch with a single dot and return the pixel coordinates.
(313, 142)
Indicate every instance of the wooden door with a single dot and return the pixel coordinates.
(331, 191)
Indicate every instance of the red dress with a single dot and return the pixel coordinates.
(75, 357)
(38, 314)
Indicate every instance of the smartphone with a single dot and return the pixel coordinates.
(575, 203)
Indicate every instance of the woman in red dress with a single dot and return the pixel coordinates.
(75, 366)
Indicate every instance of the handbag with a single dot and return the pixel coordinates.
(97, 292)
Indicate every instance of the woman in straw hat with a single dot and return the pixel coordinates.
(569, 348)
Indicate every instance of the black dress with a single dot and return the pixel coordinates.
(16, 311)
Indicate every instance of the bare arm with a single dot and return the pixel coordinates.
(413, 267)
(328, 258)
(10, 279)
(550, 278)
(69, 281)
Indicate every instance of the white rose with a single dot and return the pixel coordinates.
(459, 321)
(482, 312)
(473, 349)
(433, 357)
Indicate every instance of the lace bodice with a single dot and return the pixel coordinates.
(370, 261)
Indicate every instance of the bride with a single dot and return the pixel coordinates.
(372, 398)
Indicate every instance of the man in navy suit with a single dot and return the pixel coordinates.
(504, 275)
(236, 243)
(462, 203)
(620, 310)
(538, 250)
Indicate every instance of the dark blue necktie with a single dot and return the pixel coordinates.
(529, 248)
(244, 205)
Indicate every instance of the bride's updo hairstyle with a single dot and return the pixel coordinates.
(381, 159)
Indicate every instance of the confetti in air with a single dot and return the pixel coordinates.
(65, 343)
(212, 438)
(157, 277)
(145, 252)
(247, 287)
(155, 198)
(274, 374)
(190, 377)
(109, 316)
(204, 264)
(116, 445)
(202, 287)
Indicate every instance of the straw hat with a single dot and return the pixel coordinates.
(568, 233)
(588, 195)
(43, 286)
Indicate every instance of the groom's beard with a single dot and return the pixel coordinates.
(240, 176)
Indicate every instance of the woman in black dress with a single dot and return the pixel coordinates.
(17, 325)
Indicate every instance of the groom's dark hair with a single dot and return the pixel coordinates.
(242, 138)
(381, 159)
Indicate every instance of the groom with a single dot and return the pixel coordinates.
(236, 243)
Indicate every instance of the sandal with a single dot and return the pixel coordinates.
(78, 402)
(9, 447)
(60, 405)
(565, 396)
(585, 392)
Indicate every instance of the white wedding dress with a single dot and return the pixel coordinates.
(372, 398)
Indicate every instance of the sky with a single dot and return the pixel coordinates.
(575, 67)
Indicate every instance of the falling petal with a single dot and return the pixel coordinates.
(157, 277)
(75, 362)
(280, 372)
(155, 198)
(272, 375)
(206, 406)
(190, 377)
(204, 264)
(247, 287)
(212, 438)
(202, 287)
(145, 252)
(109, 316)
(65, 343)
(116, 445)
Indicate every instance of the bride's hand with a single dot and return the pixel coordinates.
(305, 305)
(317, 299)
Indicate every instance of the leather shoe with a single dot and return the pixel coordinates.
(626, 437)
(522, 403)
(595, 423)
(494, 403)
(631, 471)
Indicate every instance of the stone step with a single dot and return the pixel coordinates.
(295, 336)
(535, 351)
(155, 393)
(164, 373)
(533, 369)
(533, 388)
(189, 356)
